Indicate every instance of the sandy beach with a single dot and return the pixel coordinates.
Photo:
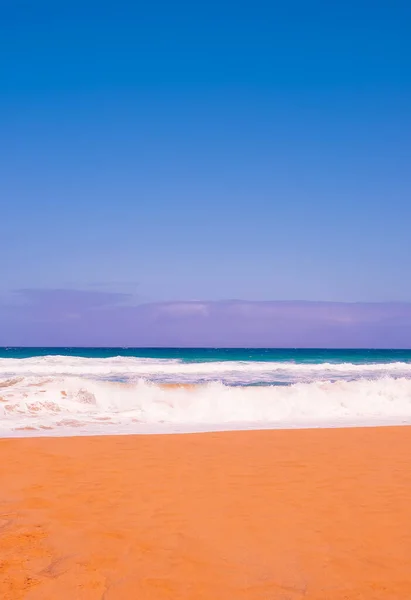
(314, 514)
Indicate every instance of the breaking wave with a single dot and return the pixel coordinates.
(80, 404)
(174, 370)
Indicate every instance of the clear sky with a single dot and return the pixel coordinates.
(206, 151)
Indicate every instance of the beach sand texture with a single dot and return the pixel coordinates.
(274, 515)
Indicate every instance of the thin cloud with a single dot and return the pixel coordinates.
(83, 299)
(101, 318)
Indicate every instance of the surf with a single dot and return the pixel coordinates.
(67, 404)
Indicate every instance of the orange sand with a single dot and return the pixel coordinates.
(274, 515)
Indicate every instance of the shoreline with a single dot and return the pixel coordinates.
(94, 430)
(308, 514)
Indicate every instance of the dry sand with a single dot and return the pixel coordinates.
(287, 515)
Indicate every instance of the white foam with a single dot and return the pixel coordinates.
(167, 371)
(56, 394)
(81, 405)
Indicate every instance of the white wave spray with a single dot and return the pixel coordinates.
(69, 404)
(174, 370)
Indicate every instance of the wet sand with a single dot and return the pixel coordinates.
(287, 515)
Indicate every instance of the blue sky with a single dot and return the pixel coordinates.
(206, 151)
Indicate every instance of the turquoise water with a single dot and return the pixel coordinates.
(193, 355)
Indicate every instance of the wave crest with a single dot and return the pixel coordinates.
(37, 403)
(173, 370)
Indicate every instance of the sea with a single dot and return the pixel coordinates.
(87, 391)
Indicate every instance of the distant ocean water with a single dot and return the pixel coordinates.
(111, 390)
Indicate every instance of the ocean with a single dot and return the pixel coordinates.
(72, 391)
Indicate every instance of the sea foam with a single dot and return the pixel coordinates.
(61, 395)
(174, 370)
